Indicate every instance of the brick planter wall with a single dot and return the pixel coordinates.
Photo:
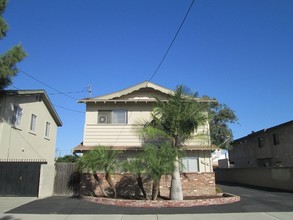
(193, 184)
(226, 199)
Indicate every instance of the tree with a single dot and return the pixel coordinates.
(67, 159)
(220, 116)
(176, 119)
(154, 162)
(9, 59)
(159, 161)
(137, 167)
(100, 159)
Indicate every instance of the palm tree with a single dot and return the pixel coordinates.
(100, 159)
(154, 162)
(176, 119)
(137, 168)
(158, 162)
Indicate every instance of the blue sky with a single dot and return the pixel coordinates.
(239, 52)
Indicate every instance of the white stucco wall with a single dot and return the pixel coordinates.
(19, 143)
(47, 177)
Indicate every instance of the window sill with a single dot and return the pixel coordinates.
(47, 138)
(16, 127)
(32, 133)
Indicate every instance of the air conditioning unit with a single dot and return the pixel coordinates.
(103, 119)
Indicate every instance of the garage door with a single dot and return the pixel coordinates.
(19, 178)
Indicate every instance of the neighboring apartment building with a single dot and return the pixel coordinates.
(113, 120)
(28, 126)
(272, 147)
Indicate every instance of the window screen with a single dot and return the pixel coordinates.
(190, 164)
(112, 117)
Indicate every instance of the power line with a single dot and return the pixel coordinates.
(162, 60)
(172, 42)
(15, 87)
(83, 91)
(68, 109)
(58, 93)
(47, 85)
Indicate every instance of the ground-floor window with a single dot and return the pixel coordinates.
(189, 164)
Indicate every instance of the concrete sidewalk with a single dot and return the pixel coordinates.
(10, 203)
(232, 216)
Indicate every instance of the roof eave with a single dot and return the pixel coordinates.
(93, 100)
(45, 98)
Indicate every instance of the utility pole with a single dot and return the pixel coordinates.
(90, 90)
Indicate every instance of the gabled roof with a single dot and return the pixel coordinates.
(44, 98)
(118, 96)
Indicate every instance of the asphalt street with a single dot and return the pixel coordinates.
(253, 200)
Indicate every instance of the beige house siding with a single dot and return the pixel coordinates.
(19, 142)
(138, 101)
(127, 134)
(111, 136)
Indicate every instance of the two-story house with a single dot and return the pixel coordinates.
(28, 129)
(28, 126)
(272, 147)
(113, 120)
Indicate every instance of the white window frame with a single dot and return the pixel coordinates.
(33, 123)
(187, 165)
(17, 115)
(113, 117)
(47, 129)
(118, 113)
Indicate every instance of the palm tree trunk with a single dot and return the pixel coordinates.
(176, 192)
(140, 185)
(100, 185)
(155, 191)
(111, 184)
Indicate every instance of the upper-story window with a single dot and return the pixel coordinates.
(112, 116)
(33, 123)
(260, 142)
(16, 117)
(276, 139)
(47, 130)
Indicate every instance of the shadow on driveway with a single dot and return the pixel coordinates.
(252, 200)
